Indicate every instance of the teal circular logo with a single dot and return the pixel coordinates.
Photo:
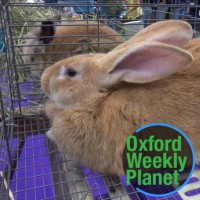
(159, 158)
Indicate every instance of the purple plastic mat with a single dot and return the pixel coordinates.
(96, 184)
(4, 158)
(32, 178)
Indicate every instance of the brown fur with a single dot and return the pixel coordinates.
(91, 123)
(69, 39)
(170, 34)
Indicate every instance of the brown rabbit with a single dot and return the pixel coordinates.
(53, 41)
(97, 100)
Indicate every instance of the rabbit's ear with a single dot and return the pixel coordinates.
(48, 29)
(174, 32)
(143, 63)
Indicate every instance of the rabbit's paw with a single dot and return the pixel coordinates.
(49, 134)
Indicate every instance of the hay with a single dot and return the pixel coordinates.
(23, 17)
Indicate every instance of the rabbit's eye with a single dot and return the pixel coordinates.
(71, 72)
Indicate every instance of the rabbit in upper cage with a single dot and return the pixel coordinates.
(53, 41)
(97, 100)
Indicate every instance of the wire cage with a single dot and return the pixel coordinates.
(31, 166)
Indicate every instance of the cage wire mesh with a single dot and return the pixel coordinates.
(31, 167)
